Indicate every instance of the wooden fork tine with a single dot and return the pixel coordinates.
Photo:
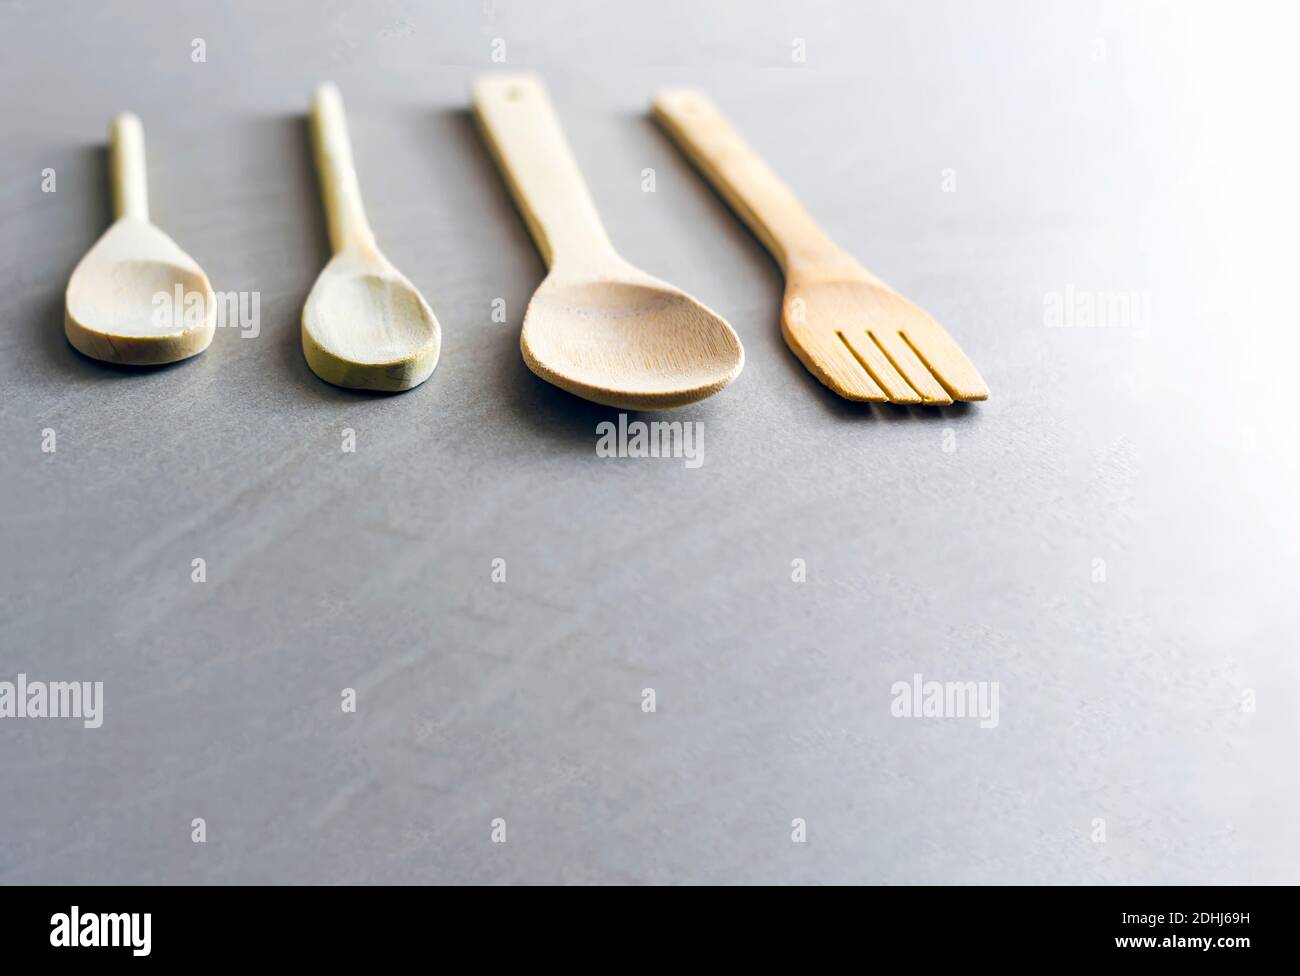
(878, 365)
(832, 362)
(907, 363)
(934, 347)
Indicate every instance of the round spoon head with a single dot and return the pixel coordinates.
(137, 299)
(636, 344)
(366, 327)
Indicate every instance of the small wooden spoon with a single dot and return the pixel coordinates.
(121, 305)
(596, 326)
(364, 325)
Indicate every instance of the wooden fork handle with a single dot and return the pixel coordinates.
(339, 188)
(749, 186)
(127, 167)
(526, 141)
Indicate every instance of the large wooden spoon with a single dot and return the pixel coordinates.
(364, 325)
(136, 298)
(596, 326)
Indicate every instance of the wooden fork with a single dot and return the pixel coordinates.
(853, 332)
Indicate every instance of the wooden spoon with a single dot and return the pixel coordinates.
(364, 325)
(596, 326)
(122, 300)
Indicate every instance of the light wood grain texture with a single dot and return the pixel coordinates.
(364, 325)
(853, 332)
(596, 326)
(136, 298)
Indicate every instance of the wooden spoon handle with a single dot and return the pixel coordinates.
(127, 168)
(757, 194)
(338, 176)
(528, 145)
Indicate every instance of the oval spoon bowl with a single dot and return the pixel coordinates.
(369, 328)
(121, 303)
(632, 344)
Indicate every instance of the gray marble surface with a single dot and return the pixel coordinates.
(1112, 537)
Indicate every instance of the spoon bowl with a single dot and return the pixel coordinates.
(634, 343)
(365, 326)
